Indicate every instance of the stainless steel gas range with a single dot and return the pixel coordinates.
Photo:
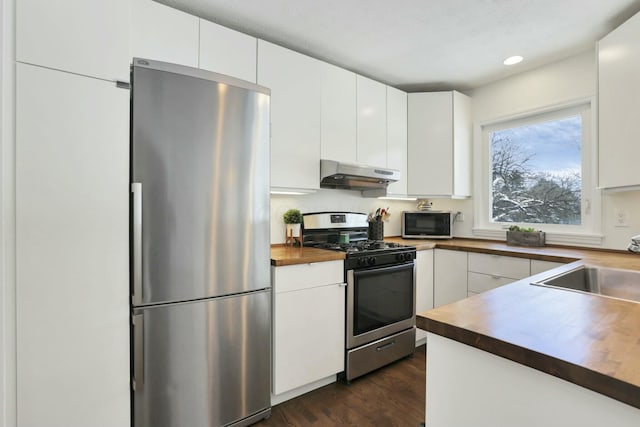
(380, 301)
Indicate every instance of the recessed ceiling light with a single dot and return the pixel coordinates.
(513, 60)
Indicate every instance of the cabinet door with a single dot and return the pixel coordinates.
(229, 52)
(430, 136)
(163, 33)
(439, 144)
(397, 138)
(308, 334)
(72, 240)
(295, 82)
(618, 105)
(88, 37)
(338, 114)
(450, 276)
(462, 137)
(372, 122)
(424, 285)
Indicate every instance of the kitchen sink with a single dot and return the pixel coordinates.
(611, 282)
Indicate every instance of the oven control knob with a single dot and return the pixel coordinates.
(401, 257)
(371, 261)
(362, 262)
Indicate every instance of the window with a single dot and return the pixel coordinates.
(537, 172)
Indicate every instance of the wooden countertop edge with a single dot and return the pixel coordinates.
(576, 374)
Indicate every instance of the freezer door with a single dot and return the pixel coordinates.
(200, 168)
(204, 363)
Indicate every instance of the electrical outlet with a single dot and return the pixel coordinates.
(459, 216)
(620, 218)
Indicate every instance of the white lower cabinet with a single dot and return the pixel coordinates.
(488, 271)
(538, 266)
(72, 242)
(424, 285)
(308, 324)
(449, 276)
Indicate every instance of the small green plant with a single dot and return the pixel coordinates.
(522, 229)
(292, 216)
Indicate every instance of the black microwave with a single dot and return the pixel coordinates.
(427, 224)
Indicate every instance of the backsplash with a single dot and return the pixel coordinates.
(352, 201)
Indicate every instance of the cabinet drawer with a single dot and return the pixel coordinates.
(304, 276)
(478, 282)
(496, 265)
(538, 266)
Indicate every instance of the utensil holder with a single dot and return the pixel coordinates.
(376, 230)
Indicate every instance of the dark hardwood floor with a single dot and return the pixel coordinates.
(391, 396)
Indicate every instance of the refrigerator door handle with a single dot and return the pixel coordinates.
(136, 231)
(138, 352)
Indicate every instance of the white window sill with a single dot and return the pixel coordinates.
(553, 238)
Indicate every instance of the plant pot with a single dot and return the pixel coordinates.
(523, 238)
(293, 230)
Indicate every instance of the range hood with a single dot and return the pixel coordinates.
(372, 181)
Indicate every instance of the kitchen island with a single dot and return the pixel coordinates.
(529, 355)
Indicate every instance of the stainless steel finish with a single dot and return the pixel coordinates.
(405, 235)
(379, 353)
(137, 321)
(136, 242)
(351, 176)
(200, 248)
(354, 341)
(140, 63)
(322, 220)
(609, 282)
(201, 151)
(219, 351)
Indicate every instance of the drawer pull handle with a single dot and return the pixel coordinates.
(386, 346)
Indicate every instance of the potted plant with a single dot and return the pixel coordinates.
(293, 219)
(525, 236)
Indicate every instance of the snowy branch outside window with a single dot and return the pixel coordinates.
(537, 173)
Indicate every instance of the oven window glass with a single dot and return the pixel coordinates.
(432, 224)
(382, 297)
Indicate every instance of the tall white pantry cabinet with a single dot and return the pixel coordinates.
(72, 162)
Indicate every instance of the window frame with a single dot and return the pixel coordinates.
(589, 231)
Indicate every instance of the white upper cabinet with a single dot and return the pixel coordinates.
(397, 138)
(372, 122)
(226, 51)
(295, 82)
(88, 37)
(618, 105)
(439, 144)
(338, 135)
(162, 33)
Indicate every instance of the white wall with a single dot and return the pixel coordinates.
(7, 218)
(334, 200)
(571, 79)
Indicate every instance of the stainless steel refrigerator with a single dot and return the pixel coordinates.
(200, 276)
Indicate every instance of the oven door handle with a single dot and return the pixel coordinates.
(385, 269)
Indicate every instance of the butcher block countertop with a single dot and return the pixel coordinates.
(589, 340)
(290, 255)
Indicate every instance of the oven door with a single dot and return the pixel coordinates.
(380, 302)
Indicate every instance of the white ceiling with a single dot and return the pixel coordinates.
(424, 44)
